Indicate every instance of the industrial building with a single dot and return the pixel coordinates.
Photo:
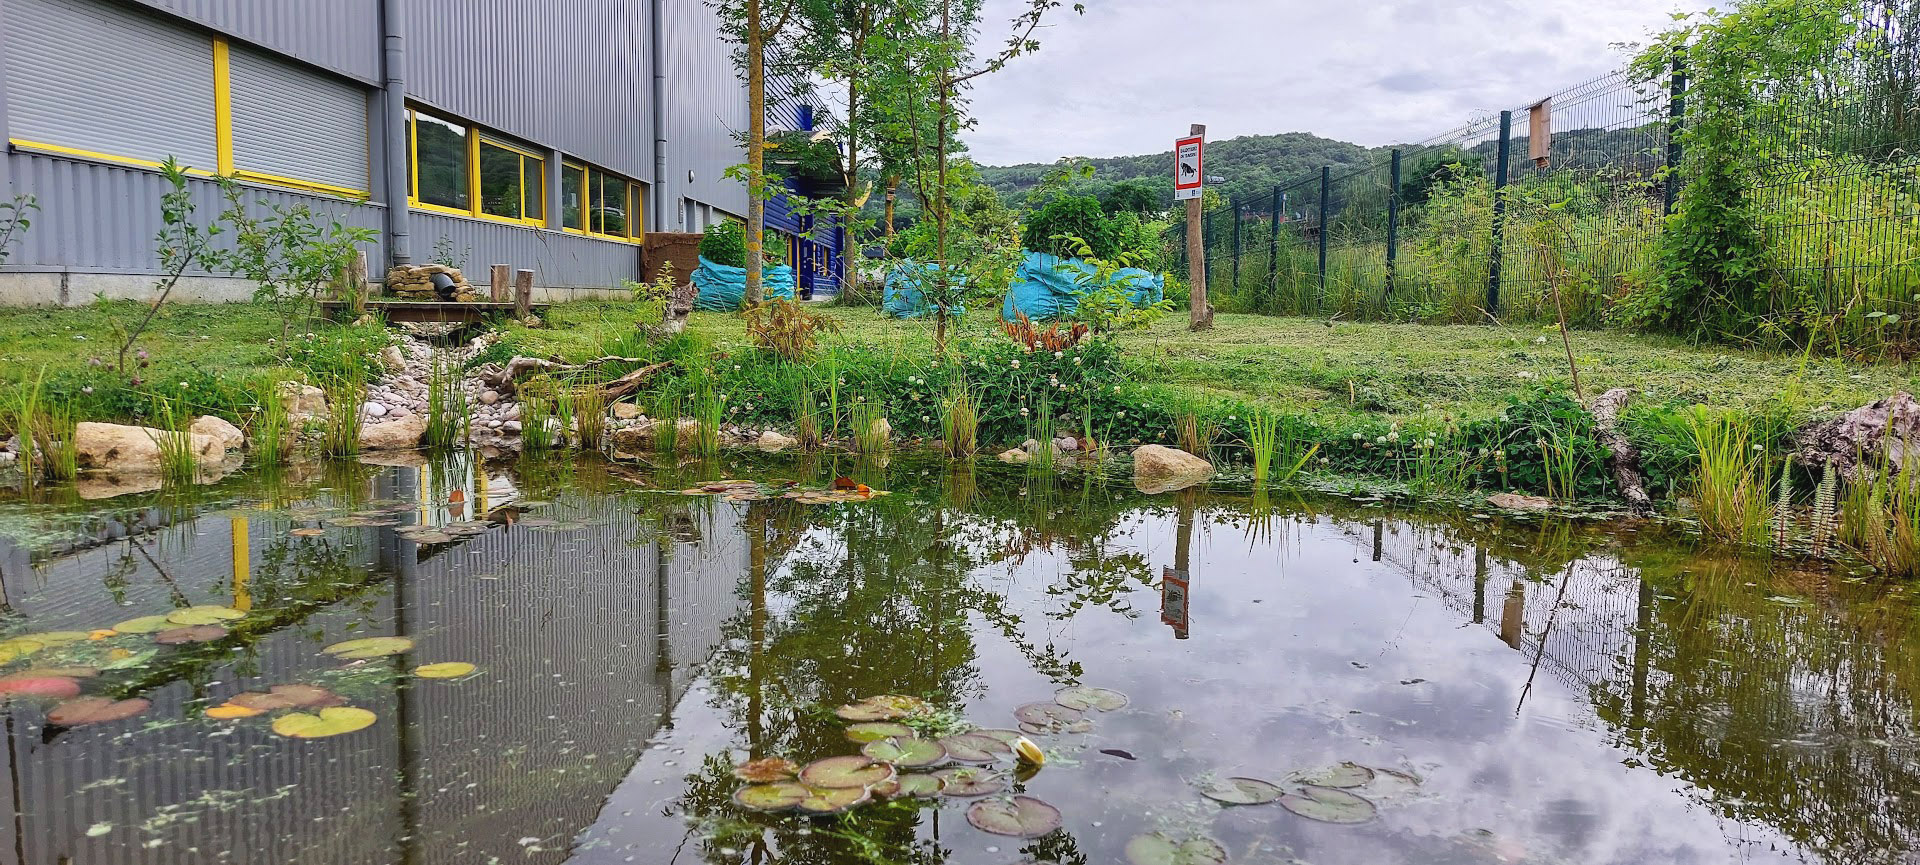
(551, 137)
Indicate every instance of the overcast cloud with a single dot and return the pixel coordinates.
(1130, 75)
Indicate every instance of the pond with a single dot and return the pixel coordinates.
(1414, 687)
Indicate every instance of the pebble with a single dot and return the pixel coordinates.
(489, 397)
(374, 409)
(493, 424)
(512, 426)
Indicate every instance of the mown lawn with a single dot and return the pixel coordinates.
(1381, 370)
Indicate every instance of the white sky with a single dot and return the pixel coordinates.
(1130, 75)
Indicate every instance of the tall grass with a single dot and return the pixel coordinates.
(23, 412)
(708, 411)
(60, 454)
(1196, 434)
(273, 436)
(1560, 466)
(346, 398)
(806, 418)
(959, 420)
(868, 436)
(565, 412)
(177, 461)
(1880, 518)
(449, 416)
(1731, 487)
(536, 435)
(590, 408)
(1263, 438)
(1042, 433)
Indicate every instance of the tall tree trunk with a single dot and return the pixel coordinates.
(756, 150)
(893, 189)
(942, 277)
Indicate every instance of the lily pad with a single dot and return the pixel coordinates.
(849, 771)
(368, 647)
(1046, 716)
(328, 722)
(444, 670)
(1342, 775)
(906, 752)
(288, 697)
(1240, 791)
(1018, 817)
(143, 625)
(916, 786)
(1007, 736)
(57, 687)
(975, 748)
(832, 800)
(62, 672)
(766, 770)
(81, 711)
(18, 647)
(779, 796)
(1389, 784)
(1083, 698)
(203, 615)
(189, 634)
(55, 638)
(967, 781)
(1328, 805)
(230, 712)
(1157, 848)
(884, 707)
(874, 731)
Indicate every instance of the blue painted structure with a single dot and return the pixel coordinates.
(816, 245)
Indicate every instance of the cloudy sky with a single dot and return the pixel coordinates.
(1130, 75)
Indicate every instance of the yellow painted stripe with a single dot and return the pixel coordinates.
(308, 185)
(222, 107)
(59, 150)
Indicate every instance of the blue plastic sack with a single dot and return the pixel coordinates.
(723, 287)
(1044, 286)
(903, 298)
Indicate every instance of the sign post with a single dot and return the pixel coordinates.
(1189, 182)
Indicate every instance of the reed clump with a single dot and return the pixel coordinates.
(959, 421)
(273, 434)
(869, 427)
(449, 413)
(177, 461)
(1880, 517)
(1731, 488)
(346, 401)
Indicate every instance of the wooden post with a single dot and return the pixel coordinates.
(523, 294)
(357, 283)
(502, 274)
(1200, 314)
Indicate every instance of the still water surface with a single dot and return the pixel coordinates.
(1565, 693)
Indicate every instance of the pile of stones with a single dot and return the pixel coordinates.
(416, 283)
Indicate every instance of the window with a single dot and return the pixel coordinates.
(512, 182)
(573, 188)
(441, 175)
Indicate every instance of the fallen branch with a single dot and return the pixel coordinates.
(1622, 457)
(632, 381)
(507, 380)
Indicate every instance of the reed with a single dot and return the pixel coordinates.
(177, 463)
(60, 454)
(1880, 517)
(272, 429)
(708, 410)
(590, 404)
(1730, 489)
(565, 413)
(866, 417)
(346, 397)
(806, 418)
(1263, 437)
(1197, 435)
(449, 415)
(667, 403)
(23, 412)
(536, 435)
(1559, 466)
(959, 421)
(1043, 434)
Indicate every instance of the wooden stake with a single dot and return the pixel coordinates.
(523, 294)
(502, 274)
(1200, 315)
(357, 283)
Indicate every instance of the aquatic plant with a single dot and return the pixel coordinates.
(272, 427)
(1825, 513)
(346, 399)
(787, 329)
(564, 411)
(708, 410)
(959, 420)
(1730, 487)
(1042, 433)
(1263, 439)
(536, 434)
(1197, 433)
(449, 416)
(1880, 517)
(177, 461)
(869, 434)
(806, 417)
(590, 410)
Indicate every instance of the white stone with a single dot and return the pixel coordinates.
(1517, 502)
(373, 409)
(135, 449)
(1160, 469)
(512, 426)
(493, 424)
(626, 411)
(403, 434)
(229, 435)
(773, 441)
(1015, 455)
(489, 397)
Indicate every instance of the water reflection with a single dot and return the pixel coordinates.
(1568, 693)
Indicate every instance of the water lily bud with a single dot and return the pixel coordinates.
(1029, 752)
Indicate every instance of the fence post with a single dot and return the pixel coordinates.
(1676, 114)
(1236, 243)
(1393, 218)
(1273, 244)
(1499, 212)
(1326, 191)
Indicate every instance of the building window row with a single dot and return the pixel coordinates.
(458, 168)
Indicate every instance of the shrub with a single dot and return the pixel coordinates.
(726, 244)
(1071, 216)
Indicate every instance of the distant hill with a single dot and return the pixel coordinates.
(1251, 164)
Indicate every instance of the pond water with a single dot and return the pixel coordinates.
(1536, 691)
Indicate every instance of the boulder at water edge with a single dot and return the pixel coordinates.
(1161, 469)
(229, 435)
(1517, 502)
(303, 402)
(394, 435)
(114, 447)
(773, 442)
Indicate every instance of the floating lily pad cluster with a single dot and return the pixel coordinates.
(312, 712)
(1329, 794)
(843, 490)
(66, 659)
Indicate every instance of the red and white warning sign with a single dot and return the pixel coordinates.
(1189, 174)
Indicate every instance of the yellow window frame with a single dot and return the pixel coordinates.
(479, 138)
(634, 199)
(223, 134)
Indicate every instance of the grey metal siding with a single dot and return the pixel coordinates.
(572, 76)
(293, 123)
(94, 77)
(706, 106)
(103, 218)
(339, 35)
(559, 260)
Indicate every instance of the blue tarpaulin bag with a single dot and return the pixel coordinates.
(723, 287)
(904, 299)
(1044, 286)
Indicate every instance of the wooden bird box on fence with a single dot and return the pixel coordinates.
(1540, 133)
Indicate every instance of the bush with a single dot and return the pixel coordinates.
(726, 244)
(1072, 216)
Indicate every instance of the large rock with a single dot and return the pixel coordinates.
(1518, 502)
(1015, 455)
(633, 439)
(135, 449)
(303, 402)
(772, 441)
(394, 435)
(626, 411)
(393, 358)
(1160, 469)
(1885, 432)
(229, 435)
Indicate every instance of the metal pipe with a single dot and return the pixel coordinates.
(657, 200)
(1676, 115)
(393, 80)
(1393, 218)
(1499, 213)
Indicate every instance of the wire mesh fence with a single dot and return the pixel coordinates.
(1561, 204)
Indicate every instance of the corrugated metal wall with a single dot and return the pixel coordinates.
(103, 218)
(573, 76)
(339, 35)
(706, 105)
(560, 261)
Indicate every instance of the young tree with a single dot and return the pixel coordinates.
(756, 25)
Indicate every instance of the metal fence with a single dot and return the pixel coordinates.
(1484, 223)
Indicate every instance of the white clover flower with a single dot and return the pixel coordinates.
(1015, 363)
(1023, 412)
(1076, 360)
(1540, 340)
(1356, 436)
(1122, 414)
(924, 419)
(1058, 355)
